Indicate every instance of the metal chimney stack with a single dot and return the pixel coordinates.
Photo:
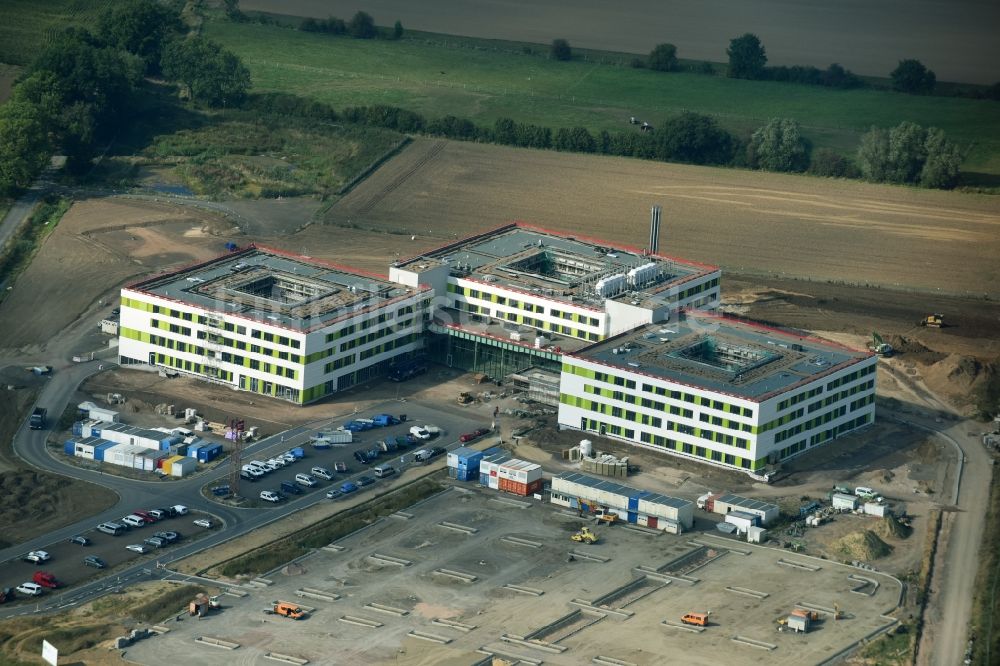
(654, 231)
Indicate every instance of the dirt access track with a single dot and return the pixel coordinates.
(748, 222)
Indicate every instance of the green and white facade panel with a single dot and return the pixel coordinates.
(723, 392)
(272, 323)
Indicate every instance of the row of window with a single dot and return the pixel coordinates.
(836, 397)
(821, 437)
(632, 399)
(536, 308)
(847, 379)
(654, 421)
(214, 322)
(698, 288)
(699, 451)
(388, 345)
(799, 397)
(782, 435)
(341, 362)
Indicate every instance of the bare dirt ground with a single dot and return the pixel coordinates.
(747, 222)
(869, 38)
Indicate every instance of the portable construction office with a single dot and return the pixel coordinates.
(844, 501)
(586, 493)
(727, 503)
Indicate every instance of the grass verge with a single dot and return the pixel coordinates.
(276, 553)
(986, 599)
(437, 79)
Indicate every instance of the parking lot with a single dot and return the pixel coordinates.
(283, 482)
(67, 559)
(472, 572)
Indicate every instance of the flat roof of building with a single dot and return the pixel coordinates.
(274, 287)
(746, 503)
(557, 265)
(624, 491)
(722, 354)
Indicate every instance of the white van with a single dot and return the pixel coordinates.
(383, 471)
(862, 491)
(305, 480)
(133, 520)
(114, 529)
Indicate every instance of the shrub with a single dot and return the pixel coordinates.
(663, 58)
(560, 50)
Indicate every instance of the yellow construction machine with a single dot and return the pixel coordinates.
(933, 321)
(584, 536)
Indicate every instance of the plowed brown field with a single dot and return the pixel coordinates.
(747, 222)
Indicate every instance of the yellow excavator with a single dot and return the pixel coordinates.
(584, 536)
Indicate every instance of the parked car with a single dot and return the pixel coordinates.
(361, 457)
(31, 589)
(365, 481)
(306, 480)
(420, 433)
(322, 472)
(340, 466)
(37, 557)
(333, 493)
(146, 516)
(94, 561)
(277, 462)
(203, 522)
(169, 537)
(348, 487)
(80, 540)
(288, 457)
(474, 435)
(159, 514)
(290, 487)
(248, 476)
(438, 451)
(270, 496)
(179, 510)
(156, 542)
(136, 548)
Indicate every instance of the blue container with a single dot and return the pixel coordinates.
(484, 479)
(101, 448)
(492, 451)
(298, 452)
(209, 452)
(69, 447)
(95, 430)
(78, 429)
(193, 450)
(452, 473)
(465, 475)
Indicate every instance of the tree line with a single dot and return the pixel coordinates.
(81, 87)
(907, 154)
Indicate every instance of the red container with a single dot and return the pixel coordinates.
(518, 488)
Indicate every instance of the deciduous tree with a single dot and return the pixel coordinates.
(747, 57)
(912, 77)
(778, 146)
(663, 58)
(561, 50)
(210, 74)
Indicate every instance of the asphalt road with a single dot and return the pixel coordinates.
(30, 446)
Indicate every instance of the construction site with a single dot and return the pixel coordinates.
(471, 575)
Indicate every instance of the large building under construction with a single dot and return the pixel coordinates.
(625, 340)
(273, 323)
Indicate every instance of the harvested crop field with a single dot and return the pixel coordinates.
(869, 38)
(746, 222)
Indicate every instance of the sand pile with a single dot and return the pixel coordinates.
(890, 528)
(864, 546)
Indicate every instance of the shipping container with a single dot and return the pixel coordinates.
(209, 453)
(193, 449)
(179, 449)
(464, 456)
(726, 503)
(69, 447)
(519, 488)
(78, 429)
(844, 501)
(756, 534)
(520, 471)
(742, 520)
(183, 466)
(101, 449)
(168, 464)
(594, 494)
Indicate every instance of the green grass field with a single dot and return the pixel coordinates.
(238, 157)
(26, 22)
(484, 85)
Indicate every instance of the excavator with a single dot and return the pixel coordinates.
(880, 346)
(584, 536)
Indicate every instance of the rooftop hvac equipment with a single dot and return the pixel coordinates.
(654, 230)
(610, 286)
(640, 276)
